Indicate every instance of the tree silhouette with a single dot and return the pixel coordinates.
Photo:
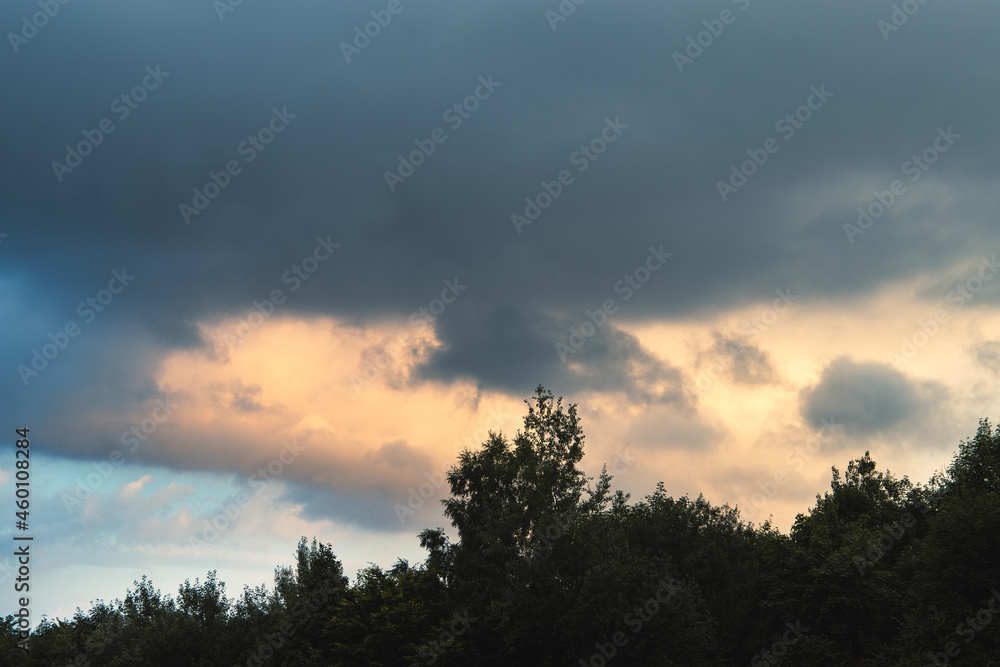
(550, 569)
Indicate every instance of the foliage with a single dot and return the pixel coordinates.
(553, 568)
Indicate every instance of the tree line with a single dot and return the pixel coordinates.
(551, 567)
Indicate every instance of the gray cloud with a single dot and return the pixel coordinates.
(237, 396)
(988, 355)
(513, 350)
(747, 363)
(867, 398)
(323, 176)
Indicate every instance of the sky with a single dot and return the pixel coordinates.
(267, 268)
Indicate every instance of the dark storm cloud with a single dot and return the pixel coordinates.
(868, 398)
(344, 125)
(513, 349)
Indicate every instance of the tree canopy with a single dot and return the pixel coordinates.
(551, 567)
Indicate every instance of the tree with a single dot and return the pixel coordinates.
(849, 546)
(504, 499)
(956, 572)
(505, 495)
(309, 596)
